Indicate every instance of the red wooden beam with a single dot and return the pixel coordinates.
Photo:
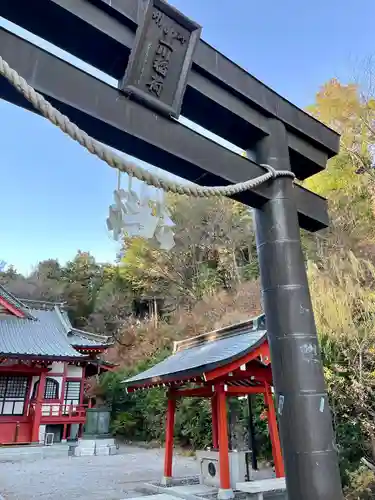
(108, 368)
(23, 369)
(223, 440)
(258, 373)
(196, 392)
(169, 383)
(243, 391)
(215, 427)
(261, 351)
(38, 409)
(249, 377)
(168, 458)
(11, 308)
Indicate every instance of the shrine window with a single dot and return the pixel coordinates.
(72, 392)
(51, 390)
(13, 391)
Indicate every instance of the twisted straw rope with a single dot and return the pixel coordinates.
(116, 161)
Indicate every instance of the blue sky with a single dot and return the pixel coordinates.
(55, 196)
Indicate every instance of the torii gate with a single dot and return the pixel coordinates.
(163, 68)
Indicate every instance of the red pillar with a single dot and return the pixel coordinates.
(215, 436)
(82, 389)
(64, 432)
(168, 458)
(274, 433)
(223, 441)
(38, 408)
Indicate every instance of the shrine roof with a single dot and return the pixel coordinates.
(45, 336)
(80, 338)
(195, 356)
(40, 329)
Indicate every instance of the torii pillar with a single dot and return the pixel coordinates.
(304, 415)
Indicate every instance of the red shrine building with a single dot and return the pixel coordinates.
(227, 363)
(44, 363)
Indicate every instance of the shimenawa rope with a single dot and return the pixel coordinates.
(116, 161)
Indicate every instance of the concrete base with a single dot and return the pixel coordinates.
(262, 486)
(166, 481)
(97, 437)
(112, 449)
(225, 494)
(91, 447)
(160, 496)
(102, 450)
(83, 452)
(189, 490)
(184, 492)
(237, 467)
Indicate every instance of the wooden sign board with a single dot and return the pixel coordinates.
(161, 58)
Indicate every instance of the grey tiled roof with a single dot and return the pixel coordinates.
(80, 338)
(204, 353)
(83, 339)
(44, 336)
(45, 331)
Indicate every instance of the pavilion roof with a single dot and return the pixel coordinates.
(80, 338)
(195, 356)
(41, 329)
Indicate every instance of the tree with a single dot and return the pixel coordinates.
(113, 303)
(49, 269)
(83, 278)
(344, 306)
(215, 248)
(8, 273)
(348, 181)
(43, 283)
(351, 114)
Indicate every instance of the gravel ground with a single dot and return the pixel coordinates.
(87, 478)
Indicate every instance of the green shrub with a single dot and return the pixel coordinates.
(123, 424)
(361, 485)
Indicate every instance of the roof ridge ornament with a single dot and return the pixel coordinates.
(67, 327)
(251, 325)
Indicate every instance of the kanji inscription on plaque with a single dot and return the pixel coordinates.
(161, 58)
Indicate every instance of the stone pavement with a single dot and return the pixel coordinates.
(59, 477)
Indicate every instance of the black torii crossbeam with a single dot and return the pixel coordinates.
(164, 69)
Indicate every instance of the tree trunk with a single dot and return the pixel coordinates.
(372, 438)
(235, 267)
